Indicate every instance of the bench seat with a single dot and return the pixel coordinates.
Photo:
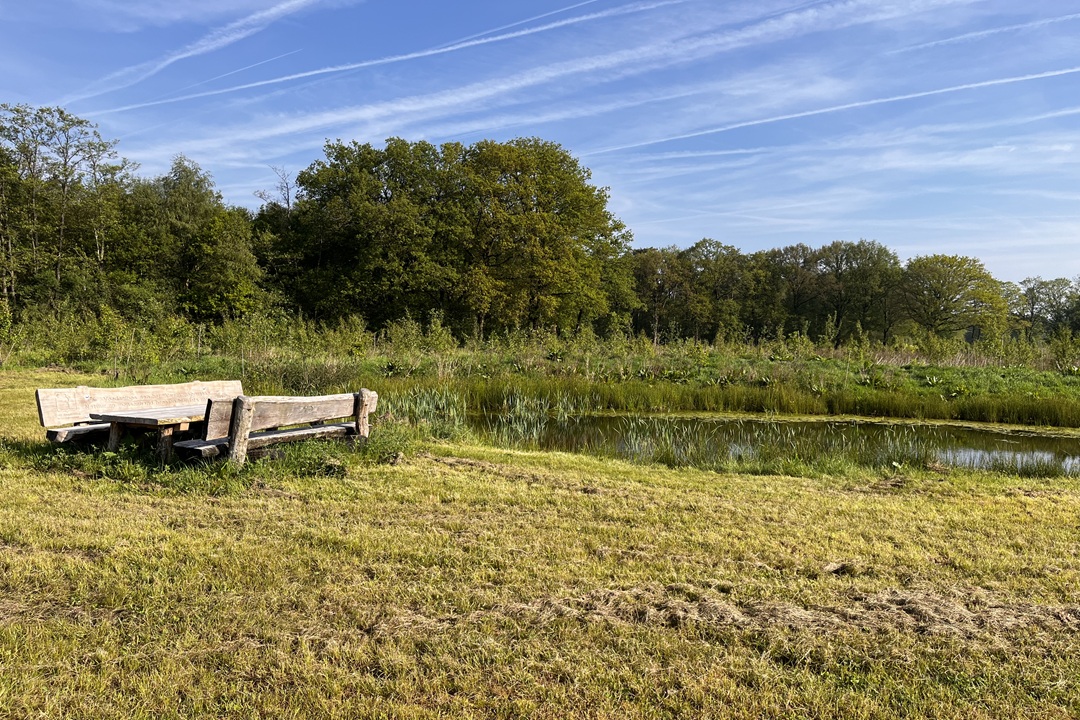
(96, 431)
(218, 447)
(234, 427)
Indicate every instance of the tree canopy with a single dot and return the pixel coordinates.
(494, 235)
(486, 237)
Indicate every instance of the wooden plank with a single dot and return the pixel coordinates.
(165, 444)
(155, 416)
(264, 439)
(202, 448)
(218, 419)
(220, 446)
(278, 411)
(77, 432)
(366, 402)
(116, 434)
(63, 406)
(66, 406)
(272, 411)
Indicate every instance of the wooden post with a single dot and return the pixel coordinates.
(365, 403)
(116, 431)
(240, 429)
(165, 444)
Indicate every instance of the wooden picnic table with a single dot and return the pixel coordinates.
(166, 420)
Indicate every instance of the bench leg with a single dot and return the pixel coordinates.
(116, 432)
(240, 430)
(364, 404)
(165, 444)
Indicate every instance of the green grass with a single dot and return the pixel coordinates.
(470, 581)
(1007, 381)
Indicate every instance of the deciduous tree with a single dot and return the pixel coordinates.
(945, 294)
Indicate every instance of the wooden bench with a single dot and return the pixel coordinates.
(245, 424)
(73, 408)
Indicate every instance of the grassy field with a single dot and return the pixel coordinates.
(469, 581)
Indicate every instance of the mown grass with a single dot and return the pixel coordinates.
(471, 581)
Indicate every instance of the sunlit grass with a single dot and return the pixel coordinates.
(468, 580)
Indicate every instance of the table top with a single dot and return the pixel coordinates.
(155, 417)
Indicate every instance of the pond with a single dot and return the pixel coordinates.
(725, 443)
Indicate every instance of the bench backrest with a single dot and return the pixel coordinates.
(271, 411)
(66, 406)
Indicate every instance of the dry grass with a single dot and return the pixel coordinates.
(476, 582)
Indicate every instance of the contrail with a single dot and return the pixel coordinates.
(474, 41)
(238, 70)
(520, 22)
(988, 32)
(214, 40)
(846, 106)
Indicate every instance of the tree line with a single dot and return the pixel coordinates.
(488, 237)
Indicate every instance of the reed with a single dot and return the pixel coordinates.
(282, 355)
(767, 448)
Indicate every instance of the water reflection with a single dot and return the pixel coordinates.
(721, 442)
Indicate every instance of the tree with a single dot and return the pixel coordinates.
(662, 279)
(719, 286)
(492, 235)
(222, 273)
(11, 208)
(855, 280)
(944, 294)
(362, 237)
(541, 235)
(797, 268)
(1043, 306)
(48, 161)
(216, 269)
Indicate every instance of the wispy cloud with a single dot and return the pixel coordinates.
(216, 39)
(238, 70)
(486, 95)
(665, 52)
(129, 16)
(526, 21)
(978, 35)
(843, 107)
(462, 44)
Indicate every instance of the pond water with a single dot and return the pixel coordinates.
(719, 442)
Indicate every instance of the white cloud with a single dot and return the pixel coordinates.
(845, 106)
(212, 41)
(990, 32)
(130, 16)
(455, 46)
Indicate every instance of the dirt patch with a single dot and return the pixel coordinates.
(970, 614)
(514, 474)
(262, 489)
(504, 471)
(90, 554)
(900, 484)
(12, 611)
(1040, 493)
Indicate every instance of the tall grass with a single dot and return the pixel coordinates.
(279, 354)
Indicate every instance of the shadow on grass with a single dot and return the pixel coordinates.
(135, 466)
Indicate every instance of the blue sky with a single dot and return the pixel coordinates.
(932, 126)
